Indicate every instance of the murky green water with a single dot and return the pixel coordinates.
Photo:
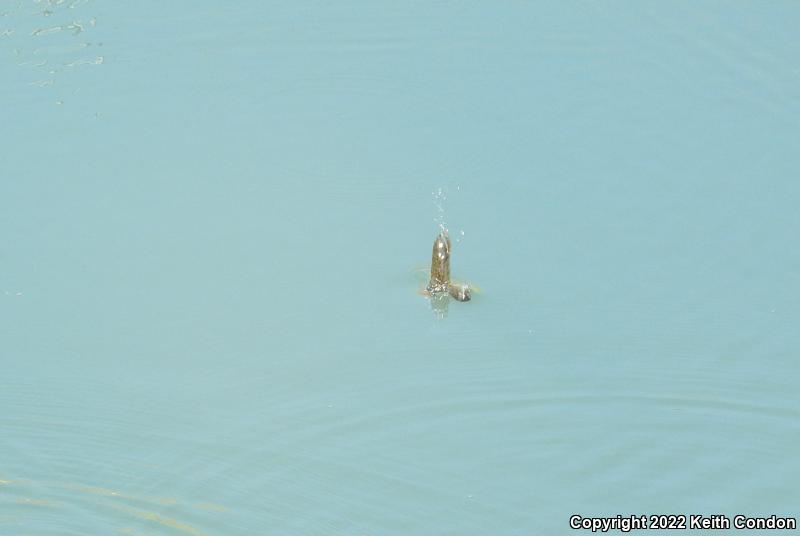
(210, 218)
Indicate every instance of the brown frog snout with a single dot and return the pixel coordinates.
(440, 271)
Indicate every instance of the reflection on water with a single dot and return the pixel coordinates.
(440, 304)
(49, 39)
(206, 319)
(117, 508)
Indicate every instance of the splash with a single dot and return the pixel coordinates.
(440, 197)
(439, 200)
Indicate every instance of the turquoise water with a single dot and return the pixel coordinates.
(211, 217)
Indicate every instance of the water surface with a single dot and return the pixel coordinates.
(210, 218)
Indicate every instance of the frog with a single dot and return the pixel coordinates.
(440, 285)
